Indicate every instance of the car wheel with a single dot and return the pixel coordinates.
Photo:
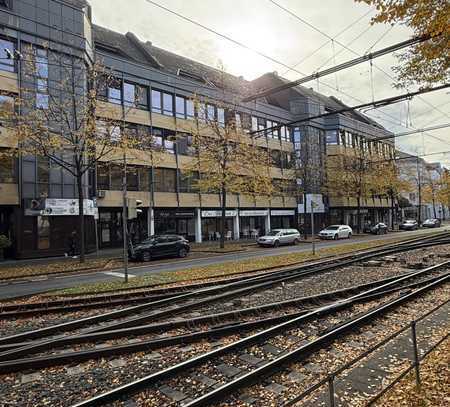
(276, 243)
(182, 253)
(296, 242)
(146, 256)
(335, 237)
(349, 235)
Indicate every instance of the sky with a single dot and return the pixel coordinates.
(303, 35)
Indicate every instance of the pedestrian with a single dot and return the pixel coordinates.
(73, 240)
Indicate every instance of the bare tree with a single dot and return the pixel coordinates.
(65, 122)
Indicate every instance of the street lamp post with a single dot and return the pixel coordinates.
(313, 241)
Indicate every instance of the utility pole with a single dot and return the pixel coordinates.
(313, 241)
(419, 184)
(125, 218)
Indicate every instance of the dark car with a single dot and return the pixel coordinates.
(377, 229)
(431, 223)
(160, 246)
(409, 224)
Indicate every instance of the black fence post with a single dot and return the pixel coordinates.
(331, 390)
(416, 354)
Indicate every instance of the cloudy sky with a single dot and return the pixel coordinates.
(297, 35)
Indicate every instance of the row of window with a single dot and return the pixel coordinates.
(348, 139)
(169, 104)
(110, 177)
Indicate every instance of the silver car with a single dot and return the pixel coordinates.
(277, 237)
(336, 232)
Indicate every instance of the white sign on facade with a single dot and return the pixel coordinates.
(254, 213)
(218, 214)
(282, 212)
(69, 207)
(319, 206)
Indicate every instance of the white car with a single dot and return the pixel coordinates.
(278, 237)
(336, 232)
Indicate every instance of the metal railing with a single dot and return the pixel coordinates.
(329, 380)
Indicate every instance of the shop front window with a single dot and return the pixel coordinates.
(43, 232)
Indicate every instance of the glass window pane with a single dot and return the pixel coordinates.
(190, 108)
(129, 94)
(201, 111)
(180, 107)
(6, 104)
(211, 112)
(7, 50)
(254, 123)
(221, 116)
(156, 101)
(167, 104)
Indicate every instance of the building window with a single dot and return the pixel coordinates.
(7, 104)
(169, 142)
(180, 107)
(238, 120)
(332, 137)
(41, 66)
(7, 169)
(254, 123)
(167, 104)
(165, 180)
(184, 144)
(211, 112)
(116, 178)
(188, 182)
(221, 116)
(132, 179)
(144, 179)
(6, 4)
(43, 232)
(190, 111)
(135, 95)
(115, 92)
(103, 176)
(201, 111)
(7, 49)
(156, 101)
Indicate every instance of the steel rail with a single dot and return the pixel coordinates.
(39, 362)
(26, 348)
(152, 379)
(301, 352)
(291, 275)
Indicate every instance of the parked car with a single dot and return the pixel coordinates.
(409, 224)
(277, 237)
(160, 246)
(378, 229)
(431, 223)
(336, 232)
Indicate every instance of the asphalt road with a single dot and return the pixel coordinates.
(44, 283)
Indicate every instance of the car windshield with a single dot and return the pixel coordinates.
(273, 233)
(332, 228)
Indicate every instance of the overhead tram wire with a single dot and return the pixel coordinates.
(297, 17)
(377, 103)
(252, 49)
(332, 38)
(340, 67)
(242, 45)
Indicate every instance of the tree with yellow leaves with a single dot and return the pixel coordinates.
(443, 195)
(59, 122)
(227, 159)
(428, 62)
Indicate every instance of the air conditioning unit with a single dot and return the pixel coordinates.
(101, 194)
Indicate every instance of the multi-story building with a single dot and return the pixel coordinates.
(166, 83)
(328, 139)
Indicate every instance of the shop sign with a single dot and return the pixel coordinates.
(254, 213)
(61, 207)
(282, 212)
(218, 214)
(186, 214)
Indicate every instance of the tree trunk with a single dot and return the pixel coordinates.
(358, 214)
(305, 208)
(223, 217)
(81, 218)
